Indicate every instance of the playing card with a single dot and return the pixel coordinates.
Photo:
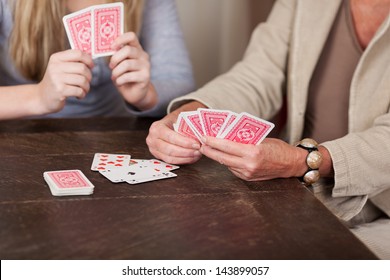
(139, 170)
(182, 127)
(157, 165)
(154, 177)
(212, 120)
(116, 175)
(247, 129)
(68, 182)
(102, 161)
(107, 22)
(78, 29)
(193, 121)
(144, 168)
(228, 121)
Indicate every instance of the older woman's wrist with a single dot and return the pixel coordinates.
(313, 161)
(326, 168)
(299, 162)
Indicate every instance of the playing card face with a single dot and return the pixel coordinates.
(141, 170)
(68, 182)
(78, 29)
(158, 165)
(212, 120)
(247, 129)
(107, 22)
(104, 162)
(116, 175)
(154, 177)
(144, 168)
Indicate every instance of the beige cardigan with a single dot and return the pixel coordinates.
(280, 59)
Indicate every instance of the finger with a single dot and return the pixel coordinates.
(128, 65)
(128, 38)
(222, 157)
(159, 136)
(77, 68)
(123, 54)
(74, 56)
(175, 160)
(73, 91)
(226, 146)
(163, 130)
(174, 150)
(177, 139)
(76, 81)
(132, 77)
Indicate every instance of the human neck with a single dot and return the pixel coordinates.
(368, 15)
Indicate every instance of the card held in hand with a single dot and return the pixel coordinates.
(182, 127)
(247, 129)
(107, 22)
(78, 29)
(94, 29)
(212, 120)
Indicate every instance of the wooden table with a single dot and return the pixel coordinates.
(204, 213)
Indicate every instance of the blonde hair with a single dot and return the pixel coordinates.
(38, 32)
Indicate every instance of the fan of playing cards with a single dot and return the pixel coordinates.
(242, 128)
(94, 29)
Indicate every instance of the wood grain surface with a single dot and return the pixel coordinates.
(203, 213)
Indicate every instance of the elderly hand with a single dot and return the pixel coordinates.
(271, 159)
(130, 67)
(170, 146)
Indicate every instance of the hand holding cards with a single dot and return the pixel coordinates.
(242, 128)
(94, 29)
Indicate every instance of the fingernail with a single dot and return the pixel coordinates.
(204, 140)
(196, 146)
(197, 153)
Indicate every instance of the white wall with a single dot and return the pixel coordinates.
(217, 32)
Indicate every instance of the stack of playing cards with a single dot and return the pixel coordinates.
(243, 128)
(94, 29)
(68, 182)
(120, 168)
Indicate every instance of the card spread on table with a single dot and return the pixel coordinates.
(136, 171)
(68, 182)
(243, 128)
(94, 29)
(102, 162)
